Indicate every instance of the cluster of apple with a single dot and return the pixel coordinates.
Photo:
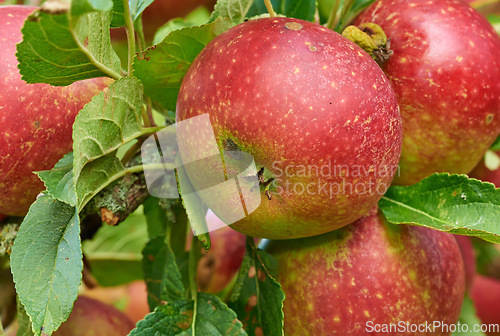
(302, 100)
(277, 88)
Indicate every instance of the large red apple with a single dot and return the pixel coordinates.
(221, 263)
(357, 280)
(35, 120)
(483, 173)
(444, 70)
(316, 113)
(93, 318)
(486, 296)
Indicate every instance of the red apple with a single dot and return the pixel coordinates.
(316, 113)
(355, 280)
(35, 120)
(92, 318)
(445, 71)
(483, 173)
(218, 267)
(486, 296)
(132, 298)
(469, 257)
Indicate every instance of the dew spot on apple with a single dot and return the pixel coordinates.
(293, 25)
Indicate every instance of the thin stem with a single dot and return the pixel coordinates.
(343, 19)
(149, 109)
(145, 117)
(330, 24)
(141, 41)
(194, 256)
(129, 25)
(270, 9)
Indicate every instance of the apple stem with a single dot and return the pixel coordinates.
(129, 25)
(269, 7)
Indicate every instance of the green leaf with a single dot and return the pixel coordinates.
(59, 180)
(300, 9)
(80, 7)
(496, 145)
(258, 7)
(118, 14)
(23, 321)
(450, 203)
(255, 283)
(60, 50)
(214, 318)
(468, 320)
(47, 263)
(163, 278)
(162, 67)
(110, 120)
(115, 252)
(234, 10)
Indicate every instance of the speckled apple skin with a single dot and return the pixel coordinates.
(445, 71)
(298, 97)
(36, 120)
(369, 271)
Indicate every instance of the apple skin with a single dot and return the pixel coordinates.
(221, 263)
(35, 120)
(483, 173)
(294, 94)
(469, 256)
(369, 271)
(91, 317)
(444, 70)
(486, 296)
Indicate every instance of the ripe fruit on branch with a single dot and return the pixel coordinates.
(314, 110)
(486, 296)
(444, 70)
(35, 120)
(367, 275)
